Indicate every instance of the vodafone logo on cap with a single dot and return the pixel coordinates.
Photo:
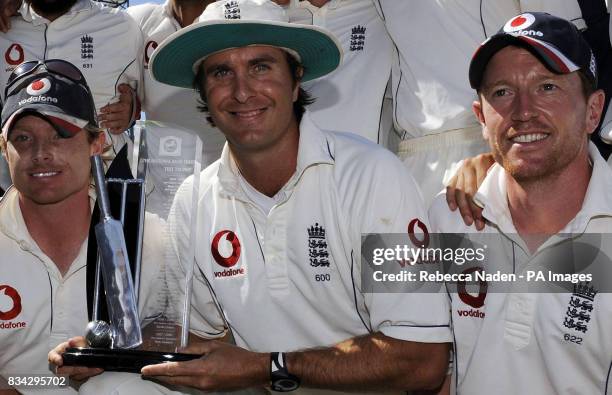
(14, 55)
(10, 303)
(520, 22)
(39, 87)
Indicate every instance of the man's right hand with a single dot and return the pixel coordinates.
(78, 373)
(462, 188)
(8, 8)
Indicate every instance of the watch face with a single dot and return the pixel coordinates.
(285, 385)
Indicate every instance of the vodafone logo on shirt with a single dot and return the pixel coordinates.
(149, 49)
(10, 308)
(225, 249)
(476, 301)
(418, 233)
(14, 55)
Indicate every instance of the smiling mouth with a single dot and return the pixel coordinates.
(44, 174)
(248, 114)
(529, 138)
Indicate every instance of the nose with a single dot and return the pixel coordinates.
(243, 87)
(42, 151)
(524, 107)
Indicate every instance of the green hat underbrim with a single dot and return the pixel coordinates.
(172, 62)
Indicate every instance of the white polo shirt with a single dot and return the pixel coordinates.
(165, 103)
(102, 42)
(44, 308)
(350, 99)
(40, 308)
(291, 279)
(519, 343)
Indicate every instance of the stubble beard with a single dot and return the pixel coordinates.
(550, 167)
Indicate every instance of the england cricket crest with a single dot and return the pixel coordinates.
(232, 10)
(358, 37)
(87, 47)
(317, 246)
(580, 307)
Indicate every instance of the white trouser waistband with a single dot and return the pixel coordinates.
(448, 138)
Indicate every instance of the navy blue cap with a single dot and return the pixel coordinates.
(66, 103)
(556, 42)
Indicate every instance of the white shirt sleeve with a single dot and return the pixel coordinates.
(133, 74)
(392, 204)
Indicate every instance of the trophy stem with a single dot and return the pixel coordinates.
(123, 201)
(96, 295)
(192, 236)
(100, 182)
(141, 218)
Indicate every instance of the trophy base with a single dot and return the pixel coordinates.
(118, 360)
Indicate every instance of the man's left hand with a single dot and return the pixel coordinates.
(8, 8)
(78, 373)
(222, 367)
(462, 188)
(117, 117)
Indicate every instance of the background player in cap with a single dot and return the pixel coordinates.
(537, 105)
(49, 132)
(280, 221)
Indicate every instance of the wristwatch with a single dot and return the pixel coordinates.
(281, 379)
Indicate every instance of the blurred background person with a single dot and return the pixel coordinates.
(164, 103)
(104, 43)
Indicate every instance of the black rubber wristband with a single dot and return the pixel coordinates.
(280, 378)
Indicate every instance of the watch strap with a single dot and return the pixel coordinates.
(281, 379)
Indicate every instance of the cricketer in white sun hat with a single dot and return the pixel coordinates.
(230, 24)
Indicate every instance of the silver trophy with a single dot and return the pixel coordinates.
(147, 319)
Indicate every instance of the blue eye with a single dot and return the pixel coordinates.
(259, 67)
(220, 73)
(500, 92)
(19, 137)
